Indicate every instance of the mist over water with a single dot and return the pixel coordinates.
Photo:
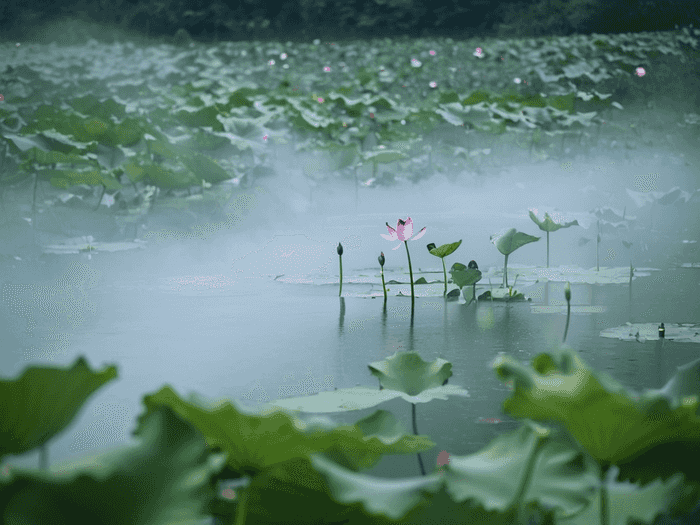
(471, 207)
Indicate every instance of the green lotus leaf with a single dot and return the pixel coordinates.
(542, 466)
(465, 276)
(510, 240)
(45, 400)
(407, 372)
(614, 425)
(445, 249)
(548, 225)
(165, 479)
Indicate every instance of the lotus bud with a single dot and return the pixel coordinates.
(340, 249)
(567, 291)
(431, 246)
(381, 259)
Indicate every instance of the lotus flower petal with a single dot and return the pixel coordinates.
(404, 229)
(419, 234)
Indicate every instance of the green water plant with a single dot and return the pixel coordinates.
(442, 252)
(549, 225)
(567, 296)
(466, 275)
(382, 260)
(289, 468)
(404, 232)
(507, 241)
(340, 258)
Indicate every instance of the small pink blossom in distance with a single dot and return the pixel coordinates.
(478, 52)
(107, 200)
(432, 52)
(403, 232)
(640, 71)
(320, 100)
(326, 69)
(271, 63)
(433, 84)
(284, 56)
(443, 458)
(265, 137)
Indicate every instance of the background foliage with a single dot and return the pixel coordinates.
(297, 20)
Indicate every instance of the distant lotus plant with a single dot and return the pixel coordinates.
(340, 257)
(466, 275)
(549, 225)
(404, 232)
(382, 260)
(442, 252)
(507, 242)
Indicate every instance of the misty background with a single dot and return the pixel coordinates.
(199, 305)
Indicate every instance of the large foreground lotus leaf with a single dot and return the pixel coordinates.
(164, 480)
(407, 372)
(43, 402)
(260, 441)
(529, 467)
(637, 503)
(510, 240)
(548, 225)
(614, 425)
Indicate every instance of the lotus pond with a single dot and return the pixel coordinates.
(251, 310)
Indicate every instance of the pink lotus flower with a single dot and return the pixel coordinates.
(403, 232)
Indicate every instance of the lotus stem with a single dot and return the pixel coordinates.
(444, 273)
(410, 271)
(381, 263)
(547, 250)
(383, 284)
(415, 432)
(242, 507)
(567, 296)
(505, 273)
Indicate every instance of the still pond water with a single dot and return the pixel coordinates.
(229, 329)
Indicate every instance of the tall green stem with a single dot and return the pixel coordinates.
(547, 249)
(410, 271)
(341, 275)
(383, 285)
(444, 273)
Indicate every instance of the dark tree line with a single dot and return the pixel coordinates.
(339, 19)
